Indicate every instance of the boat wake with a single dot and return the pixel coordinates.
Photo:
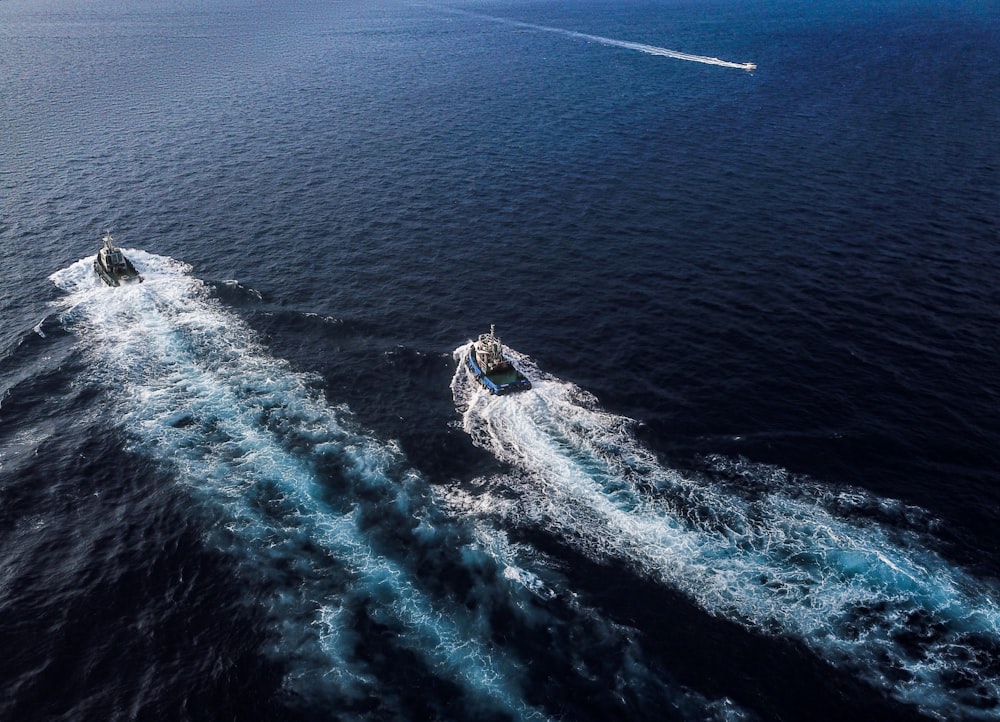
(256, 442)
(376, 597)
(628, 45)
(776, 557)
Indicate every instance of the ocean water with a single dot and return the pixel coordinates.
(747, 253)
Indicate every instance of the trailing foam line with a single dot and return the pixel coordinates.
(248, 437)
(783, 557)
(650, 49)
(642, 48)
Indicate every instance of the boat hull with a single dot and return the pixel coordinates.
(507, 381)
(116, 279)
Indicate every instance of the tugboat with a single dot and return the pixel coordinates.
(112, 266)
(492, 369)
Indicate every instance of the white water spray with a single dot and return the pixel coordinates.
(870, 599)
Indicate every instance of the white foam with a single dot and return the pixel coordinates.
(767, 559)
(245, 433)
(627, 44)
(543, 577)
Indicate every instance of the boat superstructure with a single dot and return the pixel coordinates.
(491, 368)
(112, 265)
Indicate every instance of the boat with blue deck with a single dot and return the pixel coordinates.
(112, 265)
(492, 369)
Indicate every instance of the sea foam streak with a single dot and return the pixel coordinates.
(246, 434)
(641, 47)
(868, 597)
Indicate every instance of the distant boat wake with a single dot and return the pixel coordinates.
(627, 44)
(834, 569)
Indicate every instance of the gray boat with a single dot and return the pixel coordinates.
(112, 265)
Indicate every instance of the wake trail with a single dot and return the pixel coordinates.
(247, 435)
(611, 42)
(793, 561)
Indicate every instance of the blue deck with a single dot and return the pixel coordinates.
(498, 384)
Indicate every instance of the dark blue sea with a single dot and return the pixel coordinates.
(747, 253)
